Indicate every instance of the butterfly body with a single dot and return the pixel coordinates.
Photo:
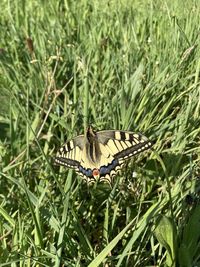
(98, 156)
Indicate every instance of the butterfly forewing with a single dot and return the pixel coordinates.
(70, 153)
(123, 144)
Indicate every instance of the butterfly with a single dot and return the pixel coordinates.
(98, 156)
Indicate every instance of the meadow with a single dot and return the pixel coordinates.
(127, 65)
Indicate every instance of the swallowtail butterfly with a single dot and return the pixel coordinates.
(98, 156)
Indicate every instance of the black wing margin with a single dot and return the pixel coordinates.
(69, 155)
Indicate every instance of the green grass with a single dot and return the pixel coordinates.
(131, 65)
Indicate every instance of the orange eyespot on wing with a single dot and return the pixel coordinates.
(96, 173)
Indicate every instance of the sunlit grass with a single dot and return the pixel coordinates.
(116, 65)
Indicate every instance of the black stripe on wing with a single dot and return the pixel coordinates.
(67, 162)
(70, 153)
(133, 150)
(122, 144)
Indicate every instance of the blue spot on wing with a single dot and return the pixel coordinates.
(103, 169)
(86, 172)
(107, 169)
